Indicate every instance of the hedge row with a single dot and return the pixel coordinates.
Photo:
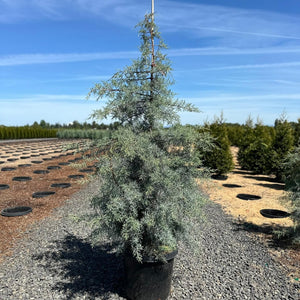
(83, 134)
(25, 132)
(263, 149)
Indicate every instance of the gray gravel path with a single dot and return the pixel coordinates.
(56, 261)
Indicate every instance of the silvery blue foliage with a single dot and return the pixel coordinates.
(148, 198)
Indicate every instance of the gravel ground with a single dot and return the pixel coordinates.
(56, 261)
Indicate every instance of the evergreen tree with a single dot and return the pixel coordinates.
(139, 95)
(283, 143)
(291, 171)
(219, 159)
(148, 197)
(297, 133)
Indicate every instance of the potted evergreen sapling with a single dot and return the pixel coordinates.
(148, 198)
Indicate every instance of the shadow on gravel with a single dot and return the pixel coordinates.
(271, 237)
(81, 269)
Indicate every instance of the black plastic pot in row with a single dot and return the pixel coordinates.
(42, 194)
(88, 170)
(4, 186)
(274, 213)
(41, 172)
(8, 169)
(22, 178)
(248, 197)
(76, 176)
(61, 185)
(53, 167)
(16, 211)
(230, 185)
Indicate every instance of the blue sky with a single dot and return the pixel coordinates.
(241, 57)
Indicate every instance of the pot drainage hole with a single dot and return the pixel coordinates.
(16, 211)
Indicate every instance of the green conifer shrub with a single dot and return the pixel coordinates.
(297, 133)
(236, 133)
(256, 153)
(291, 171)
(283, 143)
(219, 159)
(148, 198)
(246, 140)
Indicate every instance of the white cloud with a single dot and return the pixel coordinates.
(234, 97)
(28, 59)
(207, 51)
(50, 58)
(256, 66)
(240, 27)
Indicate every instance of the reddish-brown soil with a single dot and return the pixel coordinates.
(20, 193)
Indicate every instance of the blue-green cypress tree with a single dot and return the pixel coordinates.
(148, 198)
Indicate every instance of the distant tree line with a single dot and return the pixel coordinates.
(25, 132)
(75, 125)
(44, 129)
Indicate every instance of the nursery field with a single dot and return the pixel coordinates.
(29, 167)
(267, 194)
(36, 174)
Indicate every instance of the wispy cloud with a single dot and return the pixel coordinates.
(255, 66)
(225, 24)
(211, 51)
(28, 59)
(43, 98)
(236, 98)
(50, 58)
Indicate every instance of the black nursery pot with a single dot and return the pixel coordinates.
(149, 280)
